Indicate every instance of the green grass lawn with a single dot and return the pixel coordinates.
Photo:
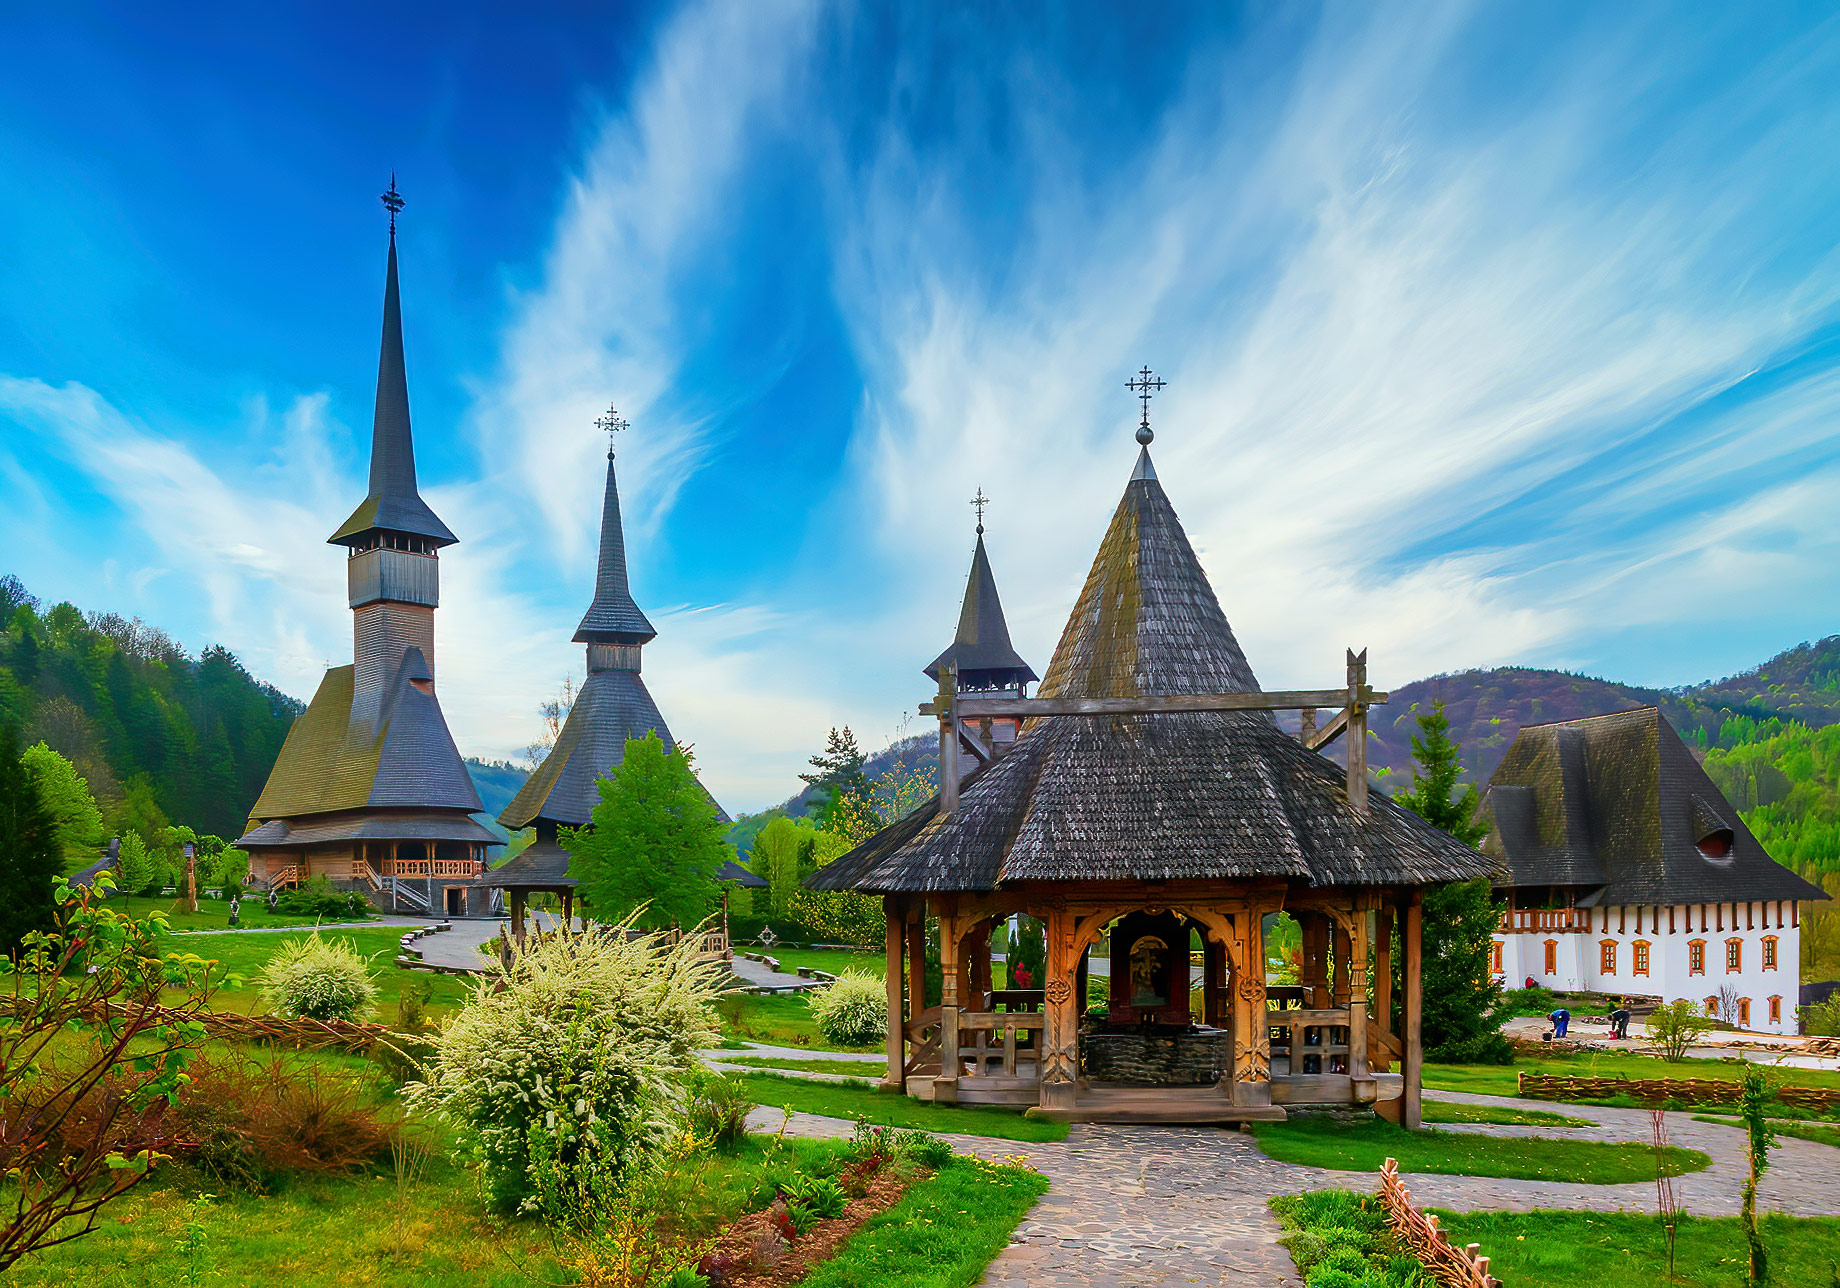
(1445, 1111)
(212, 914)
(860, 1100)
(1322, 1141)
(245, 955)
(942, 1233)
(780, 1020)
(853, 1068)
(834, 960)
(1499, 1079)
(1617, 1250)
(1820, 1134)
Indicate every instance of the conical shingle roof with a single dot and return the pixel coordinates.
(613, 617)
(392, 504)
(1168, 796)
(981, 651)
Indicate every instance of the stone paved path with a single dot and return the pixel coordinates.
(1130, 1206)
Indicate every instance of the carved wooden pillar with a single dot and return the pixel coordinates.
(1364, 1086)
(1251, 1036)
(945, 1086)
(1412, 1062)
(916, 959)
(1383, 973)
(894, 1079)
(1060, 1045)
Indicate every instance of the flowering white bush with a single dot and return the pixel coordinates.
(317, 979)
(853, 1011)
(571, 1064)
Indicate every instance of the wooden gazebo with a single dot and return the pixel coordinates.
(1151, 792)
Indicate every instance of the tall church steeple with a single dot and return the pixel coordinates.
(612, 706)
(369, 787)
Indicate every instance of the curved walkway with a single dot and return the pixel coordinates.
(1187, 1205)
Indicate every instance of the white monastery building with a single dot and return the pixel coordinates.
(1626, 872)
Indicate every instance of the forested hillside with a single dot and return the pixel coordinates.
(151, 727)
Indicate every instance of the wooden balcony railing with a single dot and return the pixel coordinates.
(1546, 921)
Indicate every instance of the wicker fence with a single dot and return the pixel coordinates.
(1454, 1267)
(1659, 1091)
(302, 1034)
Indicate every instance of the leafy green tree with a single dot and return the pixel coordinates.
(785, 853)
(656, 841)
(136, 865)
(73, 810)
(838, 773)
(30, 855)
(1460, 993)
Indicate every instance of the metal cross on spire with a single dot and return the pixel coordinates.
(613, 423)
(978, 503)
(392, 202)
(1144, 384)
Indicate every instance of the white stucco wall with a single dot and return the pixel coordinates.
(1579, 956)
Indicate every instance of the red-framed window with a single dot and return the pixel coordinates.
(1552, 956)
(1495, 963)
(1776, 1010)
(1606, 957)
(1769, 952)
(1734, 956)
(1696, 957)
(1639, 952)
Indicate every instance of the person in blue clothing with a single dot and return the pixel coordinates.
(1560, 1019)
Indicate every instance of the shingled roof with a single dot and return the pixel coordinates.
(1170, 796)
(393, 503)
(981, 652)
(334, 761)
(613, 617)
(1617, 806)
(613, 705)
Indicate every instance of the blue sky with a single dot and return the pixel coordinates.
(1494, 334)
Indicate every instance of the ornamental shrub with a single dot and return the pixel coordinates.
(853, 1011)
(317, 979)
(564, 1073)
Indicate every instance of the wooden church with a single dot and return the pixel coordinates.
(369, 789)
(1149, 802)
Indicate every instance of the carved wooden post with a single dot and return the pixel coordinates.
(916, 958)
(1412, 1060)
(1357, 730)
(948, 739)
(945, 1086)
(1364, 1087)
(1251, 1036)
(1213, 966)
(191, 878)
(1383, 968)
(1306, 726)
(893, 1078)
(1060, 1038)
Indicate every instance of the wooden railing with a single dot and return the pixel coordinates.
(1307, 1038)
(982, 1033)
(1546, 921)
(431, 867)
(1454, 1267)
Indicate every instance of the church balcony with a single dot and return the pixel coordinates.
(1545, 921)
(463, 869)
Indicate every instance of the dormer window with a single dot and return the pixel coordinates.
(1716, 844)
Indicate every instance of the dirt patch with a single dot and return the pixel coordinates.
(753, 1252)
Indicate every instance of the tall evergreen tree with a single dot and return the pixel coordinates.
(1460, 992)
(30, 855)
(839, 773)
(655, 840)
